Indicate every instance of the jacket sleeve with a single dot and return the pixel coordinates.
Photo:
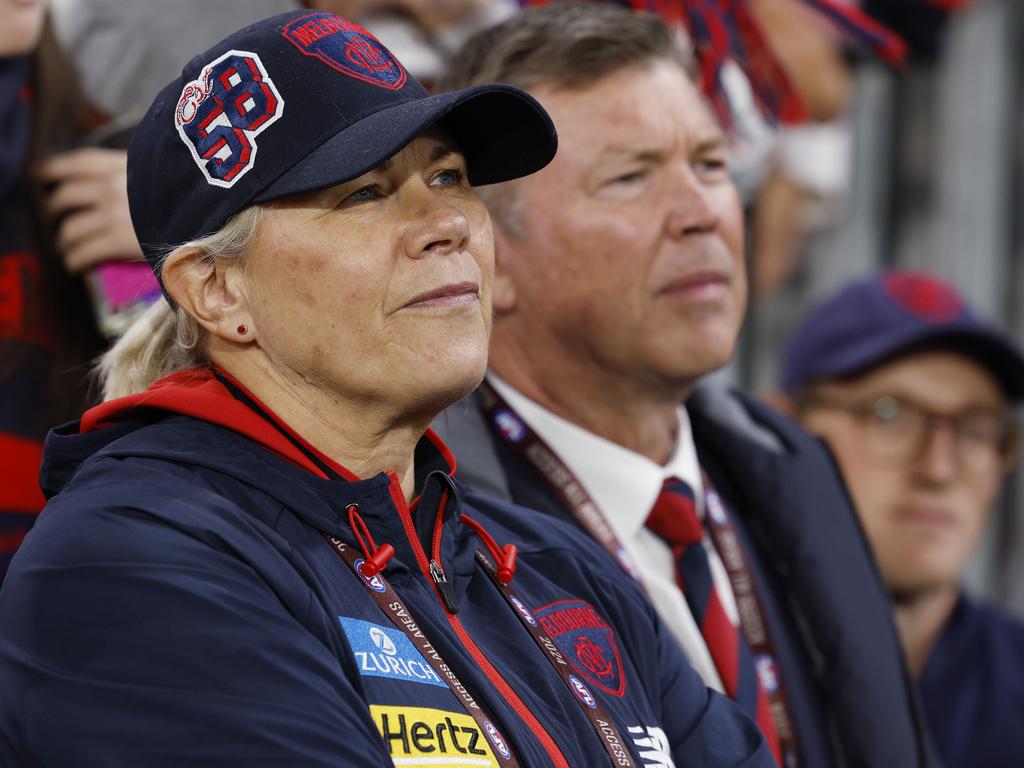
(125, 640)
(700, 727)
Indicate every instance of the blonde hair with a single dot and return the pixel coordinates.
(165, 340)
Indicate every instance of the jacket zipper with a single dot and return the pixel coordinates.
(427, 567)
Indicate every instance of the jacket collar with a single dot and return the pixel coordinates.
(318, 489)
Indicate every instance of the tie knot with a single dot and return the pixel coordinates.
(674, 514)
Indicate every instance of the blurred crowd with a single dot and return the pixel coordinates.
(882, 255)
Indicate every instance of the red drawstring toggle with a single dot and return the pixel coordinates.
(505, 556)
(507, 563)
(375, 558)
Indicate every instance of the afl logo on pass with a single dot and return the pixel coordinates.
(497, 739)
(716, 510)
(523, 610)
(220, 113)
(509, 425)
(583, 692)
(376, 583)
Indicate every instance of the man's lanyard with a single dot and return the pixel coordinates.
(752, 621)
(517, 434)
(602, 723)
(392, 606)
(512, 429)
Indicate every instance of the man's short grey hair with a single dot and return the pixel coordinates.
(566, 45)
(569, 45)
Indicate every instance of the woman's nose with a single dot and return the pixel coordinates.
(436, 226)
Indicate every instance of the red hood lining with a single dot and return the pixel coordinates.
(197, 393)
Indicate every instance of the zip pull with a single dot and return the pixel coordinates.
(444, 588)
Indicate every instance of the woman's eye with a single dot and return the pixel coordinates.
(450, 177)
(364, 194)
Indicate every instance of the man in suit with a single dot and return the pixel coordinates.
(619, 285)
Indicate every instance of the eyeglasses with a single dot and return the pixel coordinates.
(898, 430)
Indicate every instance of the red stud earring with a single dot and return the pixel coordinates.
(242, 330)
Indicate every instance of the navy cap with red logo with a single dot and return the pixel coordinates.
(874, 320)
(299, 102)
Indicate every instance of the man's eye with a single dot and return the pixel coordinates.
(629, 178)
(712, 164)
(450, 177)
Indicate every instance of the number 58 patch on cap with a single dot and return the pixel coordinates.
(220, 113)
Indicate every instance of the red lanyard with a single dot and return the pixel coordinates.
(392, 607)
(513, 430)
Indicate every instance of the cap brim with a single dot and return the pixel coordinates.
(502, 132)
(994, 353)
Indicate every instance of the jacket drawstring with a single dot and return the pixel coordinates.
(504, 556)
(375, 558)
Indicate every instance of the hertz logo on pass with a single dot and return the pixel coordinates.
(419, 736)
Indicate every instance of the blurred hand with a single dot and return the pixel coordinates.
(90, 199)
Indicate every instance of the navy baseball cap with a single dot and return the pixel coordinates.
(876, 319)
(299, 102)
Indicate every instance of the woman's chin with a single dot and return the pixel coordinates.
(445, 381)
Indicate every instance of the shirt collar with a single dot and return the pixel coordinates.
(622, 483)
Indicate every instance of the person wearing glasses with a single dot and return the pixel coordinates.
(916, 395)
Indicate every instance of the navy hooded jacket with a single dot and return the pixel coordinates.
(178, 604)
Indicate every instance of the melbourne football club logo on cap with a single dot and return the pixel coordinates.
(220, 113)
(346, 47)
(924, 297)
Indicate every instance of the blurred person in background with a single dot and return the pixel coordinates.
(619, 285)
(917, 396)
(48, 335)
(127, 50)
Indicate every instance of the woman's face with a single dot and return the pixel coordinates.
(21, 22)
(378, 290)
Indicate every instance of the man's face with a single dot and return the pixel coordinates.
(923, 510)
(630, 256)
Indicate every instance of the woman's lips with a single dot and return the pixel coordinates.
(452, 295)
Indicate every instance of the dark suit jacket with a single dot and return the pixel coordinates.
(850, 695)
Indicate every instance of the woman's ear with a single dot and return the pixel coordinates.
(211, 291)
(503, 292)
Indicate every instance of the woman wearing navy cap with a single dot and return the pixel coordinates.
(255, 552)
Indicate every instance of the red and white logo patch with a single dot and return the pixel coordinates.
(220, 113)
(347, 48)
(582, 634)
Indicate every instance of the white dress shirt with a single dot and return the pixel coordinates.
(624, 485)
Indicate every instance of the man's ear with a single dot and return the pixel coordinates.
(503, 294)
(211, 291)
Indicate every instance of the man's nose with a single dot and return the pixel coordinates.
(692, 208)
(939, 457)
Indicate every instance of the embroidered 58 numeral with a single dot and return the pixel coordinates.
(219, 115)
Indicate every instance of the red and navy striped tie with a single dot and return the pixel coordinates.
(674, 519)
